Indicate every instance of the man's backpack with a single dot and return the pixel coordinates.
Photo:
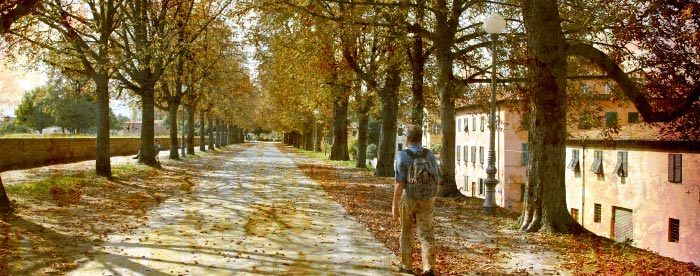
(421, 182)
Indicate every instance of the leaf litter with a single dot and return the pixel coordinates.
(471, 243)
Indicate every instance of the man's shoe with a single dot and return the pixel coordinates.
(403, 269)
(429, 273)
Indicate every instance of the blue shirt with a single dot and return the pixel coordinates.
(403, 161)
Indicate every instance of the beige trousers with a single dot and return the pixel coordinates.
(418, 213)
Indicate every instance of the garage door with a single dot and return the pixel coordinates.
(622, 225)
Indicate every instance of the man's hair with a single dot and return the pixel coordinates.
(414, 133)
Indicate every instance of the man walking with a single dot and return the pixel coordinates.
(416, 178)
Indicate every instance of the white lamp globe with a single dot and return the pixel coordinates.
(494, 24)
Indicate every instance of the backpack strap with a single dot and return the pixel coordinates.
(423, 153)
(410, 154)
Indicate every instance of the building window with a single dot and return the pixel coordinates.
(524, 156)
(466, 182)
(459, 125)
(466, 153)
(632, 117)
(610, 119)
(481, 186)
(596, 212)
(597, 162)
(674, 227)
(574, 163)
(459, 149)
(474, 123)
(675, 168)
(574, 213)
(483, 119)
(437, 129)
(400, 131)
(473, 154)
(522, 192)
(400, 147)
(621, 166)
(481, 155)
(466, 125)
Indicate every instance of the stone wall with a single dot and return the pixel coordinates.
(22, 153)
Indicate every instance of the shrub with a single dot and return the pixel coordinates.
(371, 151)
(352, 148)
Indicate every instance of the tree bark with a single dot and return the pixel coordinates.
(362, 129)
(189, 110)
(5, 204)
(386, 150)
(172, 131)
(210, 125)
(147, 150)
(202, 131)
(218, 133)
(545, 204)
(103, 166)
(339, 150)
(448, 186)
(417, 59)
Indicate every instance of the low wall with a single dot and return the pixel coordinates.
(23, 153)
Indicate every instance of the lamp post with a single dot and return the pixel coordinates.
(493, 25)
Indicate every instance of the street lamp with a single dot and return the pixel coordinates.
(493, 25)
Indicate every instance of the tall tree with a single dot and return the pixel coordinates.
(10, 13)
(32, 110)
(545, 206)
(84, 30)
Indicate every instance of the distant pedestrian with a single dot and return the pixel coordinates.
(412, 204)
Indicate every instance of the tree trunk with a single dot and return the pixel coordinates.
(417, 58)
(386, 150)
(362, 128)
(172, 122)
(5, 204)
(147, 150)
(103, 166)
(448, 187)
(189, 110)
(339, 150)
(202, 135)
(218, 133)
(545, 203)
(212, 140)
(309, 139)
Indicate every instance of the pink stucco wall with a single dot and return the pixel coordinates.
(646, 191)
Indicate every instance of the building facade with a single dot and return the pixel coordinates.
(629, 184)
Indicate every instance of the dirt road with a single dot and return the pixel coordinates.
(251, 213)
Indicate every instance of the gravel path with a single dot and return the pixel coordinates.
(251, 213)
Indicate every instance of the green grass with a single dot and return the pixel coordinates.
(57, 183)
(71, 183)
(323, 156)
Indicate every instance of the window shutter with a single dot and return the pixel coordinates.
(675, 168)
(459, 125)
(524, 154)
(473, 154)
(466, 153)
(633, 117)
(482, 123)
(621, 166)
(481, 155)
(459, 149)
